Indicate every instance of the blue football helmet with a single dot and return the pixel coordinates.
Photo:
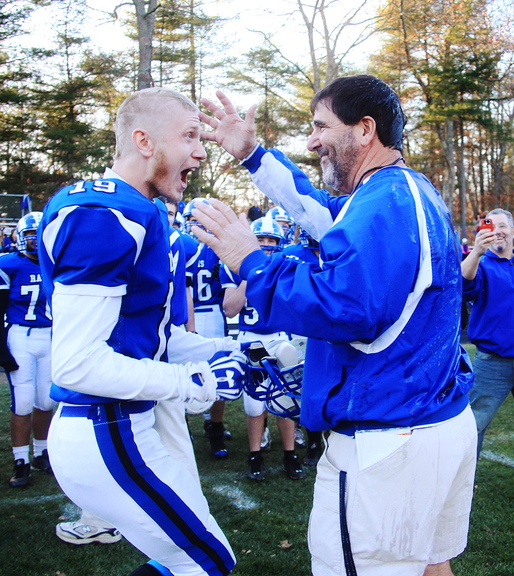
(275, 377)
(26, 231)
(269, 229)
(307, 240)
(280, 215)
(188, 212)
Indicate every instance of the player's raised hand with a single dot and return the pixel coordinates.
(230, 236)
(231, 132)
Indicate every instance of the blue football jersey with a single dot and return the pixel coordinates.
(27, 301)
(105, 238)
(191, 246)
(204, 271)
(178, 257)
(249, 318)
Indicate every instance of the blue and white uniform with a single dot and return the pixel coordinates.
(203, 271)
(106, 262)
(29, 333)
(384, 370)
(249, 318)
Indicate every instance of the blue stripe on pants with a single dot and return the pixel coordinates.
(124, 461)
(349, 564)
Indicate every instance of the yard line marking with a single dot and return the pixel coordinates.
(35, 500)
(504, 437)
(490, 455)
(236, 496)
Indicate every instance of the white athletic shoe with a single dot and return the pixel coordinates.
(78, 533)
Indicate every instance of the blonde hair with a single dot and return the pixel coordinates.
(144, 109)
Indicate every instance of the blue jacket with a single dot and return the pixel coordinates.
(382, 318)
(491, 322)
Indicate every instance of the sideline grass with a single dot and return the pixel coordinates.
(266, 523)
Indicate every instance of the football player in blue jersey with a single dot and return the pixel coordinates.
(25, 347)
(252, 328)
(209, 319)
(189, 248)
(169, 415)
(384, 372)
(116, 351)
(203, 271)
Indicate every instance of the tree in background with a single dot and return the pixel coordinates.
(443, 57)
(145, 19)
(450, 61)
(63, 123)
(17, 124)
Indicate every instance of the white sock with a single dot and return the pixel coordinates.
(39, 446)
(21, 452)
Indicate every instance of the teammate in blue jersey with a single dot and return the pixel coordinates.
(384, 371)
(209, 320)
(252, 328)
(107, 265)
(25, 347)
(187, 248)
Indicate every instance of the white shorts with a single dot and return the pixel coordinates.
(252, 406)
(388, 503)
(210, 321)
(110, 461)
(30, 384)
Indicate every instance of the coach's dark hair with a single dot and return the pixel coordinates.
(352, 97)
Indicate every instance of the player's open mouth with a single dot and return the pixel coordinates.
(183, 176)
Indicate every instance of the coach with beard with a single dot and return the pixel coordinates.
(385, 375)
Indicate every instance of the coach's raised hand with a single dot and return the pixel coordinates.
(230, 235)
(231, 132)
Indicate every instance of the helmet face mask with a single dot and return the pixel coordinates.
(188, 214)
(278, 386)
(26, 232)
(307, 240)
(284, 392)
(267, 228)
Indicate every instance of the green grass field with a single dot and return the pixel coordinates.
(266, 523)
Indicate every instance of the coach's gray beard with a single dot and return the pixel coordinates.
(340, 161)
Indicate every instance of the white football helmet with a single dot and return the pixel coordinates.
(26, 231)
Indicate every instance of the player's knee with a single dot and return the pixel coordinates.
(22, 400)
(253, 407)
(45, 404)
(21, 408)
